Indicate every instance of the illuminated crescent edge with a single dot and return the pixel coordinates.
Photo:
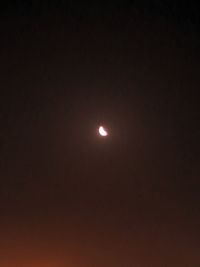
(102, 131)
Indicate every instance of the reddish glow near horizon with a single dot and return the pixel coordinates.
(102, 131)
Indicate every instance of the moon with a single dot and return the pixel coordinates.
(102, 131)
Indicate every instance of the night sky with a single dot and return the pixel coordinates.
(69, 198)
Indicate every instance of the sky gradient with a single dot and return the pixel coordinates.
(67, 196)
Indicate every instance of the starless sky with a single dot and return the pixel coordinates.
(69, 197)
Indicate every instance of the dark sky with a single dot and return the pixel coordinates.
(68, 197)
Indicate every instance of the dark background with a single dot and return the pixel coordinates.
(68, 197)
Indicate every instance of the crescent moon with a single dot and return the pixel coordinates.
(102, 131)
